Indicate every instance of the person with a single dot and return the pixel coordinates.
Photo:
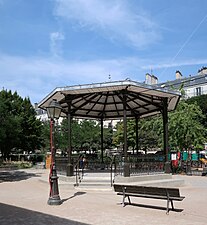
(81, 162)
(84, 162)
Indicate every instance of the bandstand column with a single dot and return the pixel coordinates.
(165, 135)
(102, 148)
(137, 135)
(69, 165)
(126, 164)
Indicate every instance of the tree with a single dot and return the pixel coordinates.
(19, 127)
(118, 136)
(31, 128)
(147, 133)
(10, 124)
(85, 134)
(45, 136)
(150, 133)
(201, 101)
(107, 137)
(185, 127)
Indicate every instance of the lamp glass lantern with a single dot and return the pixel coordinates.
(54, 109)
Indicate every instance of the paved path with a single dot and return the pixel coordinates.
(23, 201)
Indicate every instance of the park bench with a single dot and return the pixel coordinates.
(169, 194)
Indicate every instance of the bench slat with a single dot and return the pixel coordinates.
(151, 196)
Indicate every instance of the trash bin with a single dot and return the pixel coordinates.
(48, 161)
(69, 170)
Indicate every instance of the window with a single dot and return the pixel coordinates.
(198, 91)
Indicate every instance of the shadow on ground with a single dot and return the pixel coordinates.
(154, 207)
(76, 194)
(15, 175)
(12, 215)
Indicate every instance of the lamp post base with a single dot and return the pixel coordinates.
(54, 200)
(54, 197)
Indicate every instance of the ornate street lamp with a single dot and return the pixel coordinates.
(53, 111)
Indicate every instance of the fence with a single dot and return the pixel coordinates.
(138, 164)
(141, 164)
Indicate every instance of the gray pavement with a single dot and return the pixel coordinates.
(23, 200)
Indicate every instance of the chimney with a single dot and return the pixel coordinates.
(202, 71)
(36, 106)
(178, 75)
(154, 79)
(148, 78)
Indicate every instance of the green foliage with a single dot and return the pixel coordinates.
(147, 133)
(45, 136)
(16, 165)
(118, 137)
(201, 101)
(19, 127)
(85, 134)
(31, 127)
(185, 127)
(151, 131)
(184, 124)
(23, 165)
(180, 89)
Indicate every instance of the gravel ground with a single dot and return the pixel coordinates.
(23, 200)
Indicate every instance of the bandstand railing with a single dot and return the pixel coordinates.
(141, 164)
(138, 164)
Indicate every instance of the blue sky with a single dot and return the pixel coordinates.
(46, 44)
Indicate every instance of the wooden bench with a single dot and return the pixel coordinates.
(169, 194)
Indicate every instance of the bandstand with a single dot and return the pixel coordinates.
(114, 100)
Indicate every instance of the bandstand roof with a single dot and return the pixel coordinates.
(105, 100)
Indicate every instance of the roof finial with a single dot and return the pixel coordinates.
(151, 71)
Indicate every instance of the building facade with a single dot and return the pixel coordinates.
(190, 86)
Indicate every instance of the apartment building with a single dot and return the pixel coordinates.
(192, 85)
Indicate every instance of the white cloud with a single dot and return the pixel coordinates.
(36, 77)
(113, 19)
(165, 65)
(56, 39)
